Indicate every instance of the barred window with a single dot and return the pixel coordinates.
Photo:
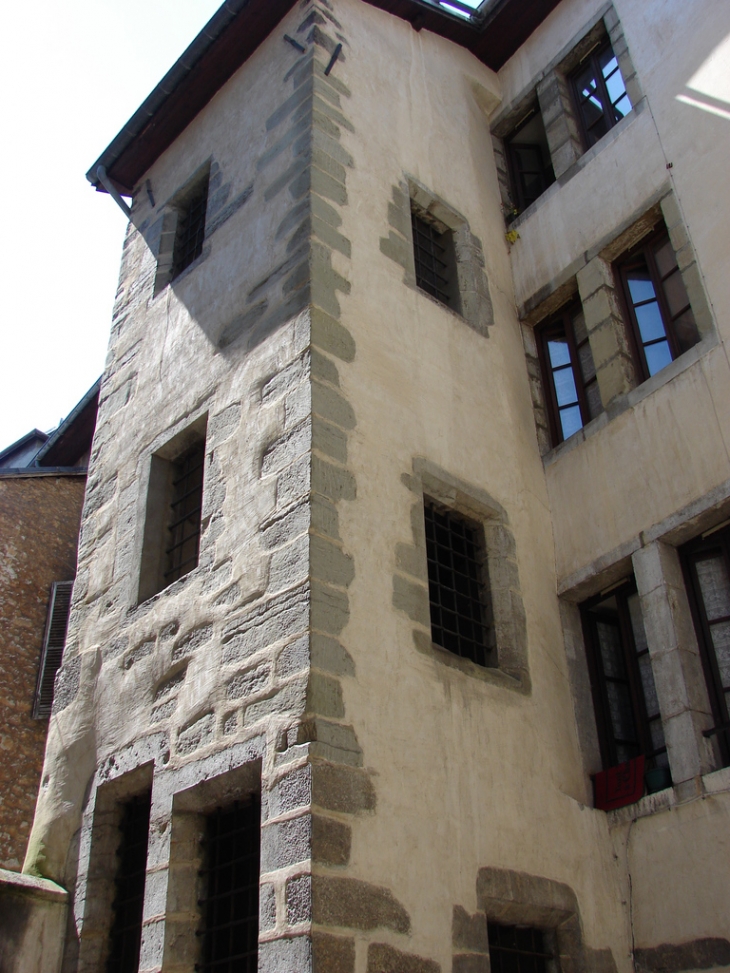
(125, 936)
(54, 640)
(517, 949)
(230, 906)
(190, 232)
(185, 510)
(435, 261)
(457, 583)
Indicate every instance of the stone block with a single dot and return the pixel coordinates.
(352, 903)
(197, 734)
(329, 655)
(337, 787)
(292, 955)
(285, 843)
(299, 900)
(329, 335)
(383, 958)
(332, 954)
(293, 658)
(411, 598)
(328, 403)
(469, 932)
(249, 683)
(330, 609)
(267, 907)
(331, 841)
(470, 963)
(324, 696)
(330, 440)
(285, 527)
(329, 563)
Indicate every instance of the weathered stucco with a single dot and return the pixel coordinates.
(406, 797)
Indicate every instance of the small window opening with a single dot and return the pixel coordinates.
(600, 93)
(529, 162)
(230, 907)
(182, 552)
(190, 232)
(625, 697)
(517, 949)
(54, 641)
(125, 936)
(435, 261)
(458, 585)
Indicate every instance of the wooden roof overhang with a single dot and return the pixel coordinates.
(239, 27)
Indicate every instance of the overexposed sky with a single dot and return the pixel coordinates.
(72, 73)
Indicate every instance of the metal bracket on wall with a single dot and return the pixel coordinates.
(335, 55)
(295, 44)
(107, 184)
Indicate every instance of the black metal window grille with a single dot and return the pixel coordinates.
(624, 693)
(434, 259)
(663, 324)
(569, 373)
(456, 584)
(185, 511)
(190, 228)
(600, 93)
(707, 562)
(54, 640)
(230, 908)
(517, 949)
(125, 936)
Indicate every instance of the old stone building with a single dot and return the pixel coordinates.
(398, 640)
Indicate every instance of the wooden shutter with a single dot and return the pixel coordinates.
(53, 642)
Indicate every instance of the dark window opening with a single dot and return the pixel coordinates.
(435, 261)
(624, 694)
(183, 547)
(125, 937)
(600, 93)
(569, 373)
(517, 949)
(190, 231)
(528, 155)
(458, 585)
(707, 563)
(230, 908)
(54, 640)
(663, 325)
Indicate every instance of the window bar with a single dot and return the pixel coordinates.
(230, 907)
(432, 269)
(125, 937)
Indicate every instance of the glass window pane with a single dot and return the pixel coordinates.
(616, 87)
(649, 319)
(640, 286)
(666, 261)
(647, 684)
(675, 293)
(621, 712)
(565, 391)
(579, 327)
(637, 622)
(608, 62)
(570, 421)
(657, 357)
(558, 351)
(595, 406)
(721, 642)
(685, 331)
(715, 586)
(609, 642)
(622, 107)
(585, 359)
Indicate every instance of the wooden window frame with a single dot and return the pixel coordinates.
(562, 322)
(645, 250)
(602, 92)
(54, 638)
(717, 542)
(606, 739)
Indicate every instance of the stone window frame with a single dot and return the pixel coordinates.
(551, 89)
(174, 208)
(156, 500)
(185, 884)
(509, 897)
(410, 581)
(595, 283)
(473, 304)
(95, 889)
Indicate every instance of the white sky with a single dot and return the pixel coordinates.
(72, 72)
